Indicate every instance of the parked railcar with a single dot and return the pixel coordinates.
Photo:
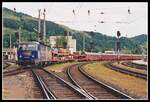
(35, 53)
(111, 57)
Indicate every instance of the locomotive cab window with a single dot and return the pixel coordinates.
(32, 47)
(27, 47)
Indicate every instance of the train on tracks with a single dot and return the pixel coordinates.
(38, 54)
(32, 53)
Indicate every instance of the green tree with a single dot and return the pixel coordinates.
(60, 41)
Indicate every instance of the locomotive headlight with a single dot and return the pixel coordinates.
(20, 56)
(32, 55)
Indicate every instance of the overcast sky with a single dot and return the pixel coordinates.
(115, 17)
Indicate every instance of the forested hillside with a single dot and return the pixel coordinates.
(94, 41)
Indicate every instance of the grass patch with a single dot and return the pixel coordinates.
(5, 93)
(59, 67)
(133, 86)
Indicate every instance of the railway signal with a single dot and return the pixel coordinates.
(118, 44)
(118, 33)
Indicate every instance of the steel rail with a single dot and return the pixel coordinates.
(68, 72)
(134, 65)
(116, 68)
(115, 91)
(77, 89)
(47, 92)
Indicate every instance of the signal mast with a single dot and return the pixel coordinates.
(118, 45)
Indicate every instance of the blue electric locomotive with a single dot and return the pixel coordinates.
(33, 53)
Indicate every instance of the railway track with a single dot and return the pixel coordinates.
(65, 76)
(38, 93)
(91, 86)
(125, 71)
(14, 72)
(134, 65)
(46, 93)
(6, 65)
(56, 88)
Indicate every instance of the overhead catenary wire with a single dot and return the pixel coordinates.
(80, 24)
(124, 20)
(128, 17)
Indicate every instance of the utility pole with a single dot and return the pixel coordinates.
(83, 43)
(19, 28)
(91, 45)
(142, 52)
(44, 25)
(39, 25)
(19, 34)
(67, 40)
(10, 45)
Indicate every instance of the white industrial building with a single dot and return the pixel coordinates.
(10, 54)
(71, 43)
